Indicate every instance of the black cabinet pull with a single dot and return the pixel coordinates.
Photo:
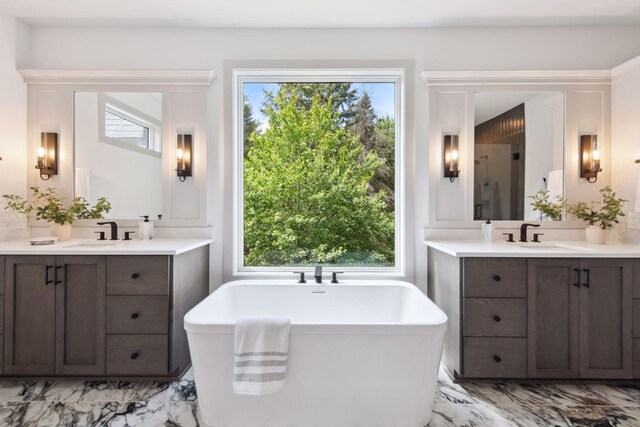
(497, 358)
(46, 275)
(577, 284)
(58, 267)
(497, 278)
(135, 315)
(497, 318)
(135, 355)
(588, 284)
(134, 276)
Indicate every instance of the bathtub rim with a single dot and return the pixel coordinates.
(408, 328)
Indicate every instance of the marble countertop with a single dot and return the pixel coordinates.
(107, 247)
(551, 249)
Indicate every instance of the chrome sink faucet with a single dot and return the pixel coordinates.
(523, 231)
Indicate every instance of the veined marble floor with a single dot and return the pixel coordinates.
(97, 403)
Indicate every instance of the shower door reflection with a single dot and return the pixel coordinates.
(518, 151)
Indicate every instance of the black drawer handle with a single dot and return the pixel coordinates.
(498, 359)
(588, 283)
(497, 278)
(47, 281)
(497, 318)
(135, 315)
(134, 276)
(577, 284)
(135, 355)
(58, 267)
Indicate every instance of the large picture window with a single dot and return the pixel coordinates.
(318, 179)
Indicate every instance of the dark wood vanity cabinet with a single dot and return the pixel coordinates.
(538, 317)
(580, 316)
(97, 316)
(54, 312)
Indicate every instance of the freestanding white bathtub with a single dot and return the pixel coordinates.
(361, 353)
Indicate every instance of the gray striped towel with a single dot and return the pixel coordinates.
(261, 355)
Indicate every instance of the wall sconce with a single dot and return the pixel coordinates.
(48, 155)
(451, 157)
(184, 156)
(589, 158)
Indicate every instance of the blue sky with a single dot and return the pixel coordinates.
(381, 94)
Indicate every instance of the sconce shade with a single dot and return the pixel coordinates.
(589, 158)
(48, 155)
(451, 157)
(184, 156)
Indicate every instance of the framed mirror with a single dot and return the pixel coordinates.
(518, 151)
(118, 151)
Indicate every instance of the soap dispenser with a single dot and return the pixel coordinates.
(146, 228)
(487, 232)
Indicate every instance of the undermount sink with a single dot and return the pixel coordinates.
(553, 246)
(92, 245)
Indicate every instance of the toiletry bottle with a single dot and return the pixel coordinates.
(146, 228)
(487, 232)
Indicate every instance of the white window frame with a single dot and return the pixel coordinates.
(106, 102)
(372, 75)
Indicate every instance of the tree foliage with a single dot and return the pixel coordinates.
(250, 125)
(376, 136)
(306, 185)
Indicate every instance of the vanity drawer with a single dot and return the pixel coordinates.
(495, 357)
(495, 277)
(495, 317)
(137, 355)
(137, 315)
(635, 312)
(138, 275)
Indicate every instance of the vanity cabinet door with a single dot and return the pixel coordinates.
(606, 318)
(553, 318)
(30, 301)
(80, 315)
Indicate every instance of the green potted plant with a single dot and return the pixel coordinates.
(49, 206)
(600, 216)
(548, 208)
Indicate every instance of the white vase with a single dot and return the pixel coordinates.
(62, 232)
(596, 235)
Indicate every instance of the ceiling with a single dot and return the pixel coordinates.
(326, 13)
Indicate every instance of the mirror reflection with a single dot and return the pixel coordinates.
(118, 151)
(518, 152)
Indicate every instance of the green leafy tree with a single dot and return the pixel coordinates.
(305, 183)
(339, 96)
(376, 136)
(250, 125)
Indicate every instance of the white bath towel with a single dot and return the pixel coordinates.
(555, 184)
(83, 183)
(261, 355)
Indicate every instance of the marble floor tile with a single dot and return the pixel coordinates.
(147, 403)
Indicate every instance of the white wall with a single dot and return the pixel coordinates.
(14, 39)
(428, 49)
(625, 94)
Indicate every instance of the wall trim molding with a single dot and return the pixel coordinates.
(118, 77)
(516, 77)
(630, 65)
